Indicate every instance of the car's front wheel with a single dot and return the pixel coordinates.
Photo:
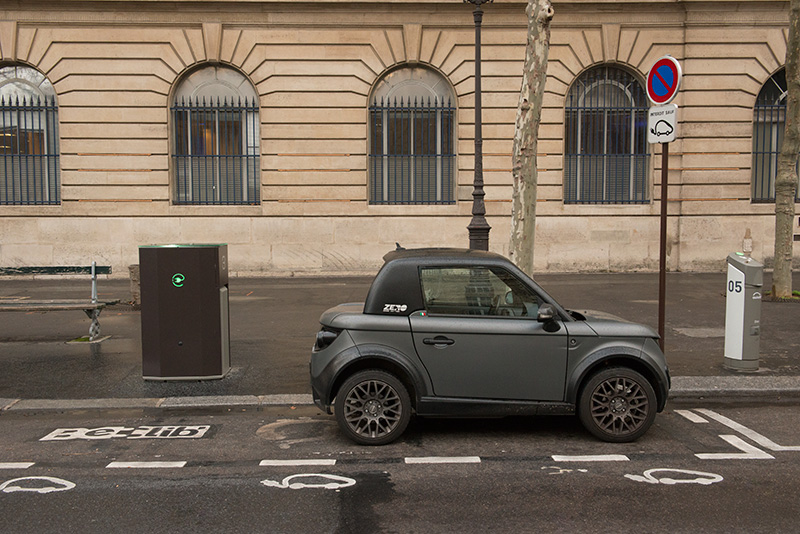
(373, 407)
(617, 405)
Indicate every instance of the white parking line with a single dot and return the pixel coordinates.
(296, 463)
(691, 416)
(15, 465)
(592, 458)
(145, 465)
(444, 460)
(746, 432)
(748, 451)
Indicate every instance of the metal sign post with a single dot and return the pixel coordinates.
(663, 82)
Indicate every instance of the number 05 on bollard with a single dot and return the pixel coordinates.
(743, 312)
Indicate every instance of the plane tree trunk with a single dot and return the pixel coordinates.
(529, 113)
(786, 177)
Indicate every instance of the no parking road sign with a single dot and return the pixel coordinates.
(663, 80)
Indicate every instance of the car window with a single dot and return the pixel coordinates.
(484, 291)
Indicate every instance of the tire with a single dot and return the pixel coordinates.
(617, 405)
(373, 408)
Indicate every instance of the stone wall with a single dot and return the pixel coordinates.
(314, 64)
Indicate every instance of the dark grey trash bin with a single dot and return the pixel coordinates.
(185, 322)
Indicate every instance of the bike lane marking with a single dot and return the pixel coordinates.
(145, 465)
(16, 465)
(592, 458)
(443, 460)
(296, 463)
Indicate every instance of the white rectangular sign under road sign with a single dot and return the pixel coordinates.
(662, 122)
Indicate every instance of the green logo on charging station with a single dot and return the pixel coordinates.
(178, 279)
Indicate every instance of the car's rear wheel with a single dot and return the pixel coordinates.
(617, 405)
(373, 407)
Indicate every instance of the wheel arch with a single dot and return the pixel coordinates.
(384, 359)
(617, 357)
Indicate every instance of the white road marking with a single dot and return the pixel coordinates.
(751, 434)
(691, 416)
(21, 484)
(296, 463)
(334, 482)
(145, 465)
(444, 460)
(592, 458)
(15, 465)
(748, 451)
(702, 478)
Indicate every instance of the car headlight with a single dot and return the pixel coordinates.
(325, 338)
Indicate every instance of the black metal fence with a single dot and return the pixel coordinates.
(412, 152)
(216, 152)
(769, 122)
(29, 154)
(606, 159)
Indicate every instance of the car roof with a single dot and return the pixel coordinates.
(441, 254)
(397, 283)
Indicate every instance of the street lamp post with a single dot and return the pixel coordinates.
(478, 227)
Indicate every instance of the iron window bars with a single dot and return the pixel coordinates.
(607, 156)
(29, 170)
(216, 152)
(412, 153)
(769, 120)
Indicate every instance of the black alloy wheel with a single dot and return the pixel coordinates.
(617, 405)
(373, 408)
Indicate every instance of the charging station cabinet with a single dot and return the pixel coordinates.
(185, 319)
(743, 312)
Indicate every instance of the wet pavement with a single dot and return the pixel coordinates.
(274, 322)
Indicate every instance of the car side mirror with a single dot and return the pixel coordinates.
(547, 313)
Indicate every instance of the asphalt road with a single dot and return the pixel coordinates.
(701, 468)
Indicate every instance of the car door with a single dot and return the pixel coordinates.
(479, 337)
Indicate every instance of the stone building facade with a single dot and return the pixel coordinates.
(311, 136)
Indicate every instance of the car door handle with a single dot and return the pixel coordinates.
(438, 340)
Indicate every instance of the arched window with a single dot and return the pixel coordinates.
(29, 153)
(606, 157)
(769, 119)
(412, 138)
(216, 138)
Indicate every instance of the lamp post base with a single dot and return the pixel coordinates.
(478, 234)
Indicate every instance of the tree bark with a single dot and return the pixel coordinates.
(786, 177)
(529, 113)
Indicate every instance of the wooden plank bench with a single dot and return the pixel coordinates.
(92, 307)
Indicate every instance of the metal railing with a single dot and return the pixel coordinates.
(216, 152)
(412, 152)
(769, 122)
(29, 155)
(606, 159)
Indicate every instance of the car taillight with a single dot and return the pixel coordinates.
(325, 338)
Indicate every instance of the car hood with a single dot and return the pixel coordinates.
(606, 324)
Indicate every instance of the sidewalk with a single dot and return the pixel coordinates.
(274, 321)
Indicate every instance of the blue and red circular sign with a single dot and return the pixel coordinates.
(663, 80)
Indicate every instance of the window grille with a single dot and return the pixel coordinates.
(769, 120)
(216, 152)
(607, 156)
(29, 166)
(412, 153)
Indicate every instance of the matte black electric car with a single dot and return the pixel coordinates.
(464, 333)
